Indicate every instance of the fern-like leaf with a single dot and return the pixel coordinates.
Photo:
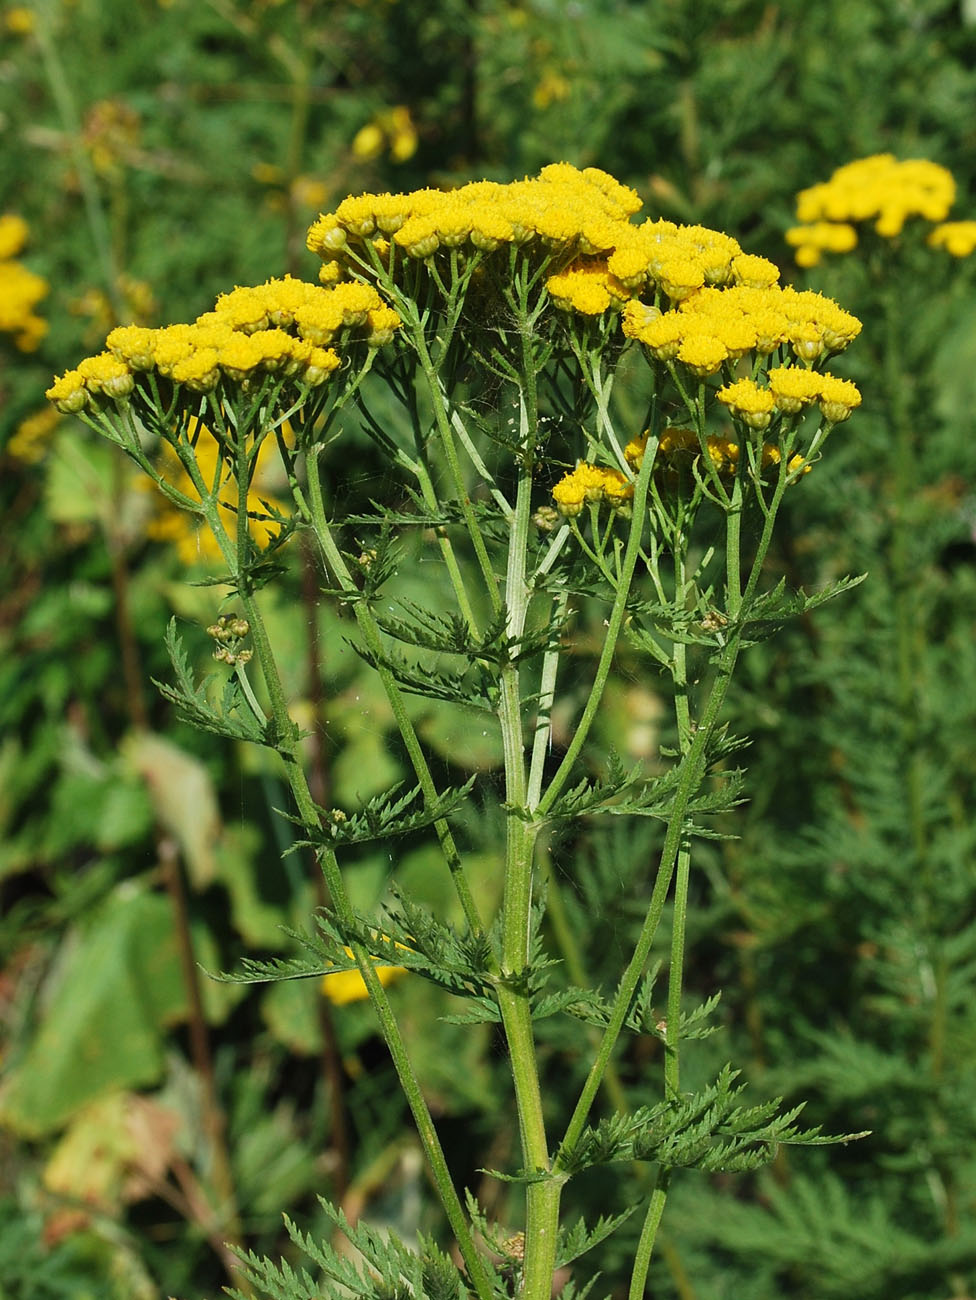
(232, 717)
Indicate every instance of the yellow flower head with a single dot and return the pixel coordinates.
(106, 374)
(703, 354)
(586, 287)
(838, 398)
(754, 272)
(748, 402)
(20, 289)
(68, 393)
(794, 387)
(133, 345)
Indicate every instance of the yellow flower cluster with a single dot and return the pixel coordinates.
(716, 326)
(30, 440)
(20, 289)
(281, 327)
(790, 389)
(581, 219)
(562, 208)
(677, 450)
(591, 483)
(880, 189)
(958, 238)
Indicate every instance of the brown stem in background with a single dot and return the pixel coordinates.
(320, 787)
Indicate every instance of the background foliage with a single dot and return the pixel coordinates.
(160, 154)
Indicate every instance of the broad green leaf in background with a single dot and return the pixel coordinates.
(108, 1002)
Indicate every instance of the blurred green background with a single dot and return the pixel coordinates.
(161, 153)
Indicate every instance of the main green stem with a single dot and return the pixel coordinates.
(542, 1198)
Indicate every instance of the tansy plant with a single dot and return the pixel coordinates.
(476, 337)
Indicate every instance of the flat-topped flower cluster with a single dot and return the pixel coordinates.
(882, 190)
(716, 326)
(576, 222)
(282, 327)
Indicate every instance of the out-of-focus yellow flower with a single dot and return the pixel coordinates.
(136, 303)
(880, 189)
(393, 130)
(19, 20)
(20, 289)
(347, 986)
(958, 238)
(368, 142)
(32, 436)
(309, 192)
(267, 173)
(188, 533)
(13, 235)
(552, 88)
(111, 132)
(812, 241)
(403, 134)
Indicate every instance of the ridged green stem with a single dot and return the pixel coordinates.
(682, 712)
(645, 1243)
(542, 1199)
